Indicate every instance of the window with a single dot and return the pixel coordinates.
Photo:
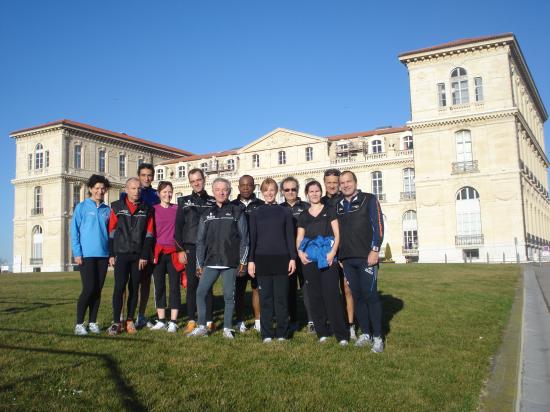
(441, 95)
(101, 161)
(122, 165)
(468, 212)
(178, 195)
(478, 82)
(470, 254)
(410, 230)
(309, 154)
(463, 146)
(407, 143)
(257, 191)
(36, 242)
(256, 160)
(160, 175)
(231, 164)
(181, 172)
(282, 157)
(459, 86)
(204, 167)
(376, 146)
(38, 156)
(140, 161)
(377, 187)
(37, 210)
(47, 158)
(76, 195)
(78, 157)
(408, 180)
(29, 164)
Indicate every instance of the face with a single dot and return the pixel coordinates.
(314, 194)
(97, 192)
(145, 177)
(269, 193)
(165, 194)
(133, 190)
(331, 185)
(290, 191)
(347, 184)
(246, 187)
(197, 182)
(221, 192)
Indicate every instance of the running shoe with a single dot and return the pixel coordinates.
(172, 327)
(211, 326)
(364, 340)
(343, 343)
(141, 322)
(80, 330)
(191, 325)
(267, 340)
(281, 339)
(94, 328)
(378, 345)
(323, 339)
(228, 333)
(131, 327)
(310, 327)
(241, 327)
(352, 333)
(159, 325)
(200, 330)
(114, 329)
(257, 326)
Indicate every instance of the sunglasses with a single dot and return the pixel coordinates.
(293, 189)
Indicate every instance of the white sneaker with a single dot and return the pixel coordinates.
(323, 339)
(364, 340)
(281, 339)
(159, 325)
(257, 326)
(172, 327)
(80, 330)
(310, 327)
(343, 343)
(267, 340)
(241, 327)
(378, 345)
(199, 331)
(94, 328)
(228, 333)
(352, 334)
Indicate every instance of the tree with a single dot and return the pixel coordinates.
(387, 253)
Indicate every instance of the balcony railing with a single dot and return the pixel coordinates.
(381, 197)
(36, 211)
(468, 240)
(36, 261)
(465, 167)
(410, 250)
(406, 152)
(344, 159)
(373, 156)
(408, 195)
(349, 147)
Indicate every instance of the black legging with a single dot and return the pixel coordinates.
(125, 266)
(92, 273)
(164, 266)
(193, 284)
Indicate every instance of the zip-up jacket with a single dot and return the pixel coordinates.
(131, 228)
(148, 195)
(89, 229)
(253, 204)
(190, 209)
(317, 249)
(222, 238)
(331, 201)
(361, 226)
(298, 207)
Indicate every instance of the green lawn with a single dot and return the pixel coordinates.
(443, 322)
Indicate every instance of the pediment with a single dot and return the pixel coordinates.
(280, 138)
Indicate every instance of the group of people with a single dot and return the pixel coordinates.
(328, 246)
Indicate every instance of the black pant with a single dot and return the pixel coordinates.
(126, 266)
(164, 266)
(293, 294)
(92, 273)
(193, 284)
(325, 300)
(145, 286)
(273, 299)
(240, 293)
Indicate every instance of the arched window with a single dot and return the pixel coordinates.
(459, 86)
(468, 214)
(282, 157)
(255, 160)
(463, 146)
(160, 175)
(204, 167)
(377, 187)
(410, 231)
(39, 156)
(37, 203)
(78, 157)
(408, 180)
(36, 247)
(376, 146)
(181, 171)
(101, 161)
(407, 142)
(230, 164)
(309, 154)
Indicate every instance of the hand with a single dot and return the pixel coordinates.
(112, 261)
(78, 260)
(242, 270)
(252, 269)
(142, 263)
(291, 267)
(198, 272)
(303, 257)
(182, 257)
(330, 257)
(341, 265)
(372, 258)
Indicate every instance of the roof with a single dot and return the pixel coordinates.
(388, 130)
(457, 43)
(87, 127)
(198, 157)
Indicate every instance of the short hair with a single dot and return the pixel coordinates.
(222, 180)
(246, 176)
(349, 172)
(95, 179)
(290, 179)
(132, 179)
(268, 181)
(146, 166)
(196, 170)
(332, 172)
(313, 183)
(164, 184)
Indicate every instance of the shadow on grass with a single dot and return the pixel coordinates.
(125, 392)
(132, 339)
(30, 306)
(390, 306)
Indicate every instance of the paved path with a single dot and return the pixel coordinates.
(534, 385)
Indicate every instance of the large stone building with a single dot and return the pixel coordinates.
(472, 185)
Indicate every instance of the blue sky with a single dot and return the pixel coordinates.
(214, 75)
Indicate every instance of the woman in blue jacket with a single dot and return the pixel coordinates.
(317, 242)
(90, 247)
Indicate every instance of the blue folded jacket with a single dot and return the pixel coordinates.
(317, 249)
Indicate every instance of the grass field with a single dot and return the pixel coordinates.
(443, 324)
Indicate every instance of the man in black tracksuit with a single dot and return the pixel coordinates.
(190, 209)
(361, 234)
(248, 201)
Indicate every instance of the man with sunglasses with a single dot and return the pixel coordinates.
(289, 188)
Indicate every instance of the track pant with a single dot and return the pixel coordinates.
(126, 267)
(92, 274)
(363, 282)
(325, 300)
(273, 300)
(293, 280)
(193, 284)
(207, 280)
(240, 293)
(164, 266)
(145, 287)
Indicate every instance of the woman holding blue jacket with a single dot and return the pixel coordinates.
(317, 242)
(90, 247)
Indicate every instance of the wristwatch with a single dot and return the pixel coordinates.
(375, 249)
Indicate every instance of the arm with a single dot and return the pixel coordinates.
(336, 231)
(299, 237)
(289, 232)
(178, 229)
(243, 232)
(377, 224)
(201, 247)
(113, 220)
(148, 242)
(75, 235)
(252, 244)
